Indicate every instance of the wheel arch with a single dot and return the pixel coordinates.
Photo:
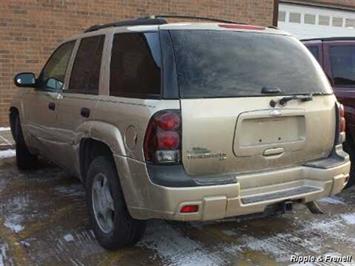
(13, 113)
(97, 138)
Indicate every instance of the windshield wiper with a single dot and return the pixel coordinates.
(302, 98)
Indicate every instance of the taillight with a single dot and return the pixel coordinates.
(341, 123)
(162, 142)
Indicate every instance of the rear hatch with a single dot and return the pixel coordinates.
(250, 101)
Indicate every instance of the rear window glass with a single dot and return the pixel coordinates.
(342, 60)
(229, 64)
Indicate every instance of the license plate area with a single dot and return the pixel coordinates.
(260, 130)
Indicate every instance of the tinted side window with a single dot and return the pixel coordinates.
(342, 61)
(85, 75)
(53, 73)
(315, 51)
(135, 65)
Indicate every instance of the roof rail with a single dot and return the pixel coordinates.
(152, 20)
(132, 22)
(194, 17)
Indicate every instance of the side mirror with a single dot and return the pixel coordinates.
(25, 79)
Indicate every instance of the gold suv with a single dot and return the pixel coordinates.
(182, 121)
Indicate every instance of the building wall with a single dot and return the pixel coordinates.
(31, 29)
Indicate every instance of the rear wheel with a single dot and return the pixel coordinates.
(113, 226)
(349, 148)
(24, 158)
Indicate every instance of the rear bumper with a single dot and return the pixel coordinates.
(252, 193)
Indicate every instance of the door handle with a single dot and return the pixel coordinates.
(51, 106)
(85, 112)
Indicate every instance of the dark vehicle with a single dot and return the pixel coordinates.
(337, 57)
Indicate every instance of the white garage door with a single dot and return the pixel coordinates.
(314, 22)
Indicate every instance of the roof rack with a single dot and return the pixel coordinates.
(132, 22)
(153, 20)
(194, 17)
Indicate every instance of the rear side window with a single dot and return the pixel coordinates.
(85, 75)
(342, 61)
(230, 64)
(135, 65)
(315, 51)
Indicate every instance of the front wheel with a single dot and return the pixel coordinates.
(113, 226)
(25, 160)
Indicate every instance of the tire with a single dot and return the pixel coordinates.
(348, 147)
(25, 160)
(115, 229)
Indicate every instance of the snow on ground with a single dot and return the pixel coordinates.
(68, 237)
(4, 128)
(13, 222)
(349, 218)
(7, 154)
(14, 212)
(74, 190)
(3, 253)
(175, 249)
(332, 200)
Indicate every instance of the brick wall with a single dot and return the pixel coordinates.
(31, 29)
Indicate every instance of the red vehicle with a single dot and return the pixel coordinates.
(337, 57)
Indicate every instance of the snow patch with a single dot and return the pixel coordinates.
(349, 218)
(69, 238)
(13, 212)
(332, 200)
(175, 249)
(74, 190)
(4, 128)
(2, 254)
(229, 233)
(7, 154)
(13, 222)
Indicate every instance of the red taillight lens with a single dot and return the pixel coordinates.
(162, 142)
(189, 208)
(169, 121)
(168, 140)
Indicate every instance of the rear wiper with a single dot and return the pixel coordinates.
(302, 98)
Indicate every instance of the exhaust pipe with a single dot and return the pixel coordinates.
(286, 206)
(314, 208)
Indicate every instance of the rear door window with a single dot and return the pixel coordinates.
(342, 63)
(85, 75)
(315, 51)
(135, 65)
(231, 64)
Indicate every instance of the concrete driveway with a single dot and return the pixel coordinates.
(43, 221)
